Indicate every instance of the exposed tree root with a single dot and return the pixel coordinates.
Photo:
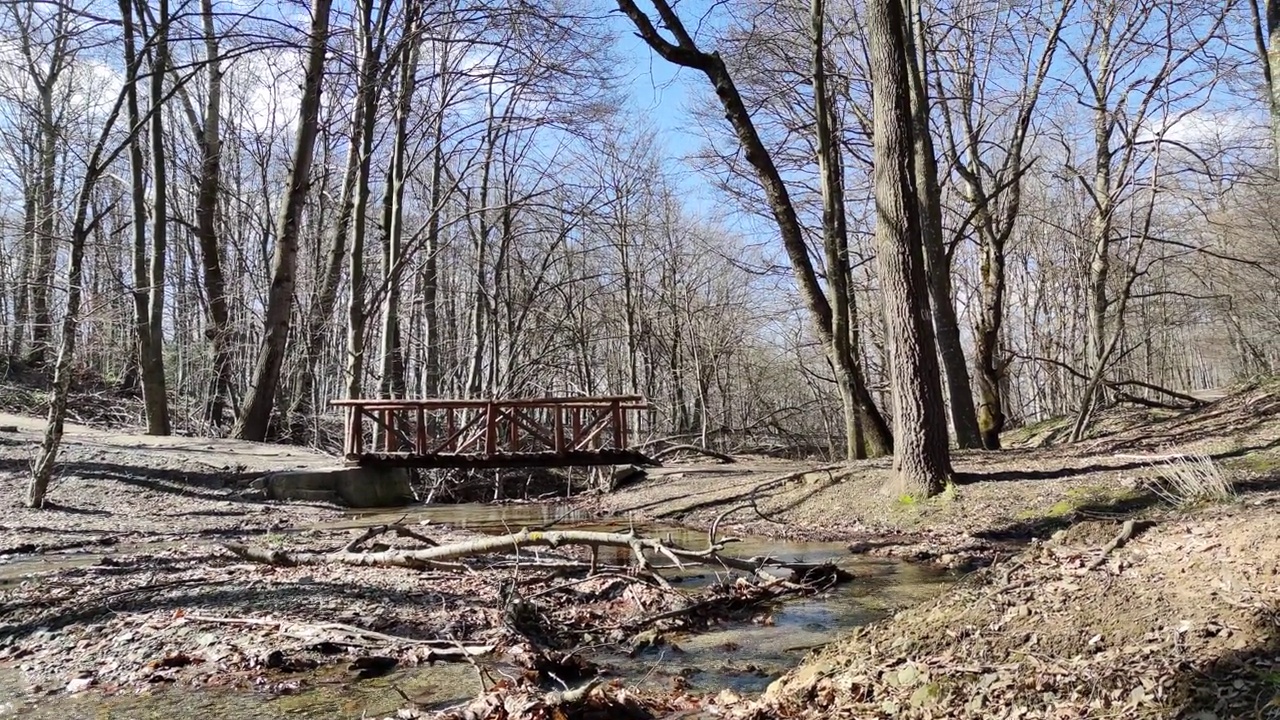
(1126, 531)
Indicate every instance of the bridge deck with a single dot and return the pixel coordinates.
(529, 432)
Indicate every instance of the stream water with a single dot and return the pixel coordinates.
(744, 656)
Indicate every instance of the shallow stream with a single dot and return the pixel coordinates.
(744, 656)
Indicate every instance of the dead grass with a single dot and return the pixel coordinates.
(1185, 480)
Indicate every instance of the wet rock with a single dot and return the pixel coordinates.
(372, 666)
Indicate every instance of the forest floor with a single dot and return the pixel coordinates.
(998, 502)
(1105, 597)
(127, 581)
(123, 582)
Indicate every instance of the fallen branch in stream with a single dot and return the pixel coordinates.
(441, 556)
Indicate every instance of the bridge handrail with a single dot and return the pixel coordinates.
(628, 402)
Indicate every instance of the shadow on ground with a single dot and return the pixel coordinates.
(200, 485)
(1238, 683)
(210, 594)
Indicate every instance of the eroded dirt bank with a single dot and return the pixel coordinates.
(1181, 621)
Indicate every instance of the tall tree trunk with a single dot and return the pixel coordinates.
(480, 303)
(22, 287)
(921, 459)
(81, 227)
(45, 256)
(685, 52)
(990, 318)
(964, 419)
(356, 305)
(1100, 250)
(209, 135)
(371, 37)
(149, 282)
(391, 355)
(835, 239)
(432, 381)
(255, 420)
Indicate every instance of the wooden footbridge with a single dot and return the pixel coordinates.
(530, 432)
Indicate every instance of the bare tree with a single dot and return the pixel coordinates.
(991, 170)
(685, 52)
(937, 264)
(921, 460)
(254, 421)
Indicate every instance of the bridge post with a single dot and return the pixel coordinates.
(557, 429)
(490, 429)
(616, 407)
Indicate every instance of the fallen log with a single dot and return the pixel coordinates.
(441, 556)
(722, 457)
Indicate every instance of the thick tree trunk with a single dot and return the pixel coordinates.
(991, 417)
(921, 459)
(255, 420)
(964, 420)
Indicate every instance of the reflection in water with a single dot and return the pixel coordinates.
(744, 656)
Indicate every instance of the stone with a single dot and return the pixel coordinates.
(357, 487)
(79, 684)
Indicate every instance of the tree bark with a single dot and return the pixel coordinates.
(391, 355)
(209, 135)
(964, 419)
(835, 236)
(148, 277)
(371, 36)
(255, 420)
(921, 459)
(81, 227)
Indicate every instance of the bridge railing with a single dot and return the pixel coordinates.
(436, 429)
